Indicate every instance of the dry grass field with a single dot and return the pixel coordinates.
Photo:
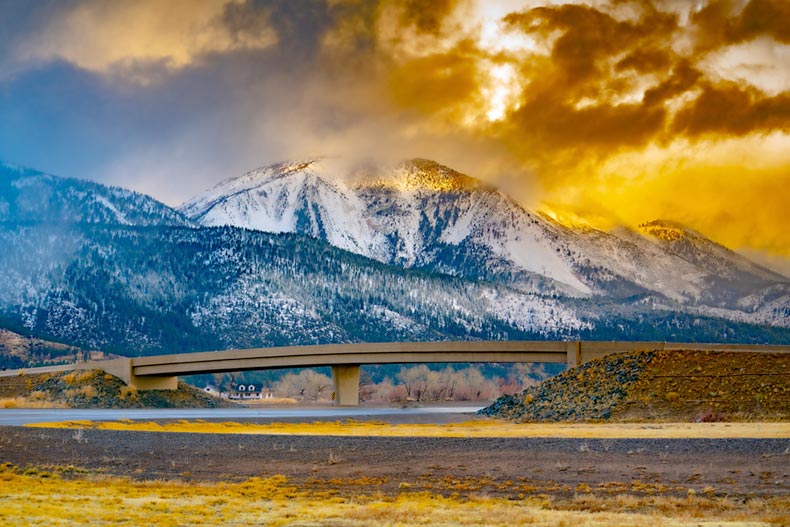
(323, 474)
(69, 496)
(653, 466)
(473, 428)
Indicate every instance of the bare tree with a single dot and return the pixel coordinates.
(473, 386)
(308, 384)
(415, 379)
(218, 379)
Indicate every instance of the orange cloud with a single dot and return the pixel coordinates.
(719, 23)
(733, 110)
(426, 15)
(645, 107)
(118, 37)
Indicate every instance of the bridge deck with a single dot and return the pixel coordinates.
(343, 354)
(162, 371)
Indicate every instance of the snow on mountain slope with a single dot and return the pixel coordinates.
(421, 214)
(31, 196)
(421, 206)
(405, 216)
(695, 248)
(622, 261)
(288, 197)
(729, 280)
(155, 289)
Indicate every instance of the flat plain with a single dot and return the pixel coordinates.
(360, 473)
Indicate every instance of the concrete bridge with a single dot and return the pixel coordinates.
(161, 372)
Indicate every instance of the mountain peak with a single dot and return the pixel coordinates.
(419, 174)
(718, 260)
(286, 168)
(9, 168)
(666, 230)
(431, 175)
(268, 173)
(251, 181)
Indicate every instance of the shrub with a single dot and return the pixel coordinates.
(710, 416)
(89, 391)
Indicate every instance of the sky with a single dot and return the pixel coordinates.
(619, 111)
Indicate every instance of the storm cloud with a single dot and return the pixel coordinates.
(589, 105)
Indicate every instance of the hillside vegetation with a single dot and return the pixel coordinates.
(19, 351)
(659, 385)
(95, 389)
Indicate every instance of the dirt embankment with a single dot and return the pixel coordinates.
(96, 389)
(659, 385)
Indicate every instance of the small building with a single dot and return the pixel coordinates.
(245, 392)
(211, 390)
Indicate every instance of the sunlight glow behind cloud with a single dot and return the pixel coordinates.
(116, 37)
(636, 108)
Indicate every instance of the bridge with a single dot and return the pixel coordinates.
(161, 372)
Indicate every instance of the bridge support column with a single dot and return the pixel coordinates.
(346, 382)
(574, 351)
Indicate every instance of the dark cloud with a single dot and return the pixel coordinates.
(765, 17)
(589, 36)
(426, 15)
(437, 82)
(683, 78)
(646, 60)
(576, 100)
(602, 127)
(719, 23)
(572, 102)
(17, 20)
(300, 26)
(244, 20)
(729, 109)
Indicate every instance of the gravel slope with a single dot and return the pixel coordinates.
(659, 385)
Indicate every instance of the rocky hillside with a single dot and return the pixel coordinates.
(659, 385)
(19, 351)
(95, 389)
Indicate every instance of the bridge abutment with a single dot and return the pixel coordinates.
(124, 370)
(346, 383)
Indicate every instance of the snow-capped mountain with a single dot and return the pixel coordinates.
(113, 270)
(421, 214)
(31, 196)
(288, 197)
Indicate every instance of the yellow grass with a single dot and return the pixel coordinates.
(70, 497)
(29, 402)
(271, 401)
(475, 428)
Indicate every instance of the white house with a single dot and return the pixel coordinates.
(245, 392)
